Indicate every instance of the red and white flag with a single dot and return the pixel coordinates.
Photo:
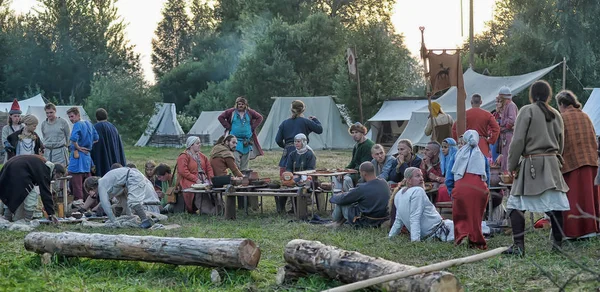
(351, 58)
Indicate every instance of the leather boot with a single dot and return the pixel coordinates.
(28, 215)
(517, 220)
(557, 229)
(8, 215)
(139, 210)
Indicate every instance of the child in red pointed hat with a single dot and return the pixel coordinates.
(15, 108)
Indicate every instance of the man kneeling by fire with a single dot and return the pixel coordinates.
(129, 187)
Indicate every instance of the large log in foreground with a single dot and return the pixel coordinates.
(306, 257)
(209, 252)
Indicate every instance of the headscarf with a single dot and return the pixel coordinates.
(469, 158)
(435, 109)
(445, 159)
(29, 120)
(305, 146)
(190, 141)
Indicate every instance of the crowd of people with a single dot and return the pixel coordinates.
(552, 155)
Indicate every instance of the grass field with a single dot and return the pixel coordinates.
(22, 271)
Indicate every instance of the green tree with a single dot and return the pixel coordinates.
(128, 99)
(385, 67)
(172, 43)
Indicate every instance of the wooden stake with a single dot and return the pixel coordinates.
(420, 270)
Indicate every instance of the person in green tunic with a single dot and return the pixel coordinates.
(360, 153)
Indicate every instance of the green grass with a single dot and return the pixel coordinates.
(22, 270)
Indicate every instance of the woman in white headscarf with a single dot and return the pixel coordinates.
(471, 172)
(193, 167)
(303, 158)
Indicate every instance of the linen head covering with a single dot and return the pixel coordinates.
(190, 141)
(469, 157)
(29, 120)
(505, 92)
(445, 159)
(435, 109)
(304, 140)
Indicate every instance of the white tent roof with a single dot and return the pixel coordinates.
(208, 123)
(335, 132)
(24, 104)
(486, 86)
(397, 110)
(61, 111)
(163, 123)
(592, 109)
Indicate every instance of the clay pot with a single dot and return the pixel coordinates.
(494, 176)
(253, 175)
(245, 181)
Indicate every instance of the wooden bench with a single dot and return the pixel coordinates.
(445, 209)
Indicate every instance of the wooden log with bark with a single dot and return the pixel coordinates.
(208, 252)
(312, 257)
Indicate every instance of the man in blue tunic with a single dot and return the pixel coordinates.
(109, 149)
(83, 137)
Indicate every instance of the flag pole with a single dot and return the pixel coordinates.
(360, 109)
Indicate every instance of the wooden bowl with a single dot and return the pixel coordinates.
(506, 179)
(326, 186)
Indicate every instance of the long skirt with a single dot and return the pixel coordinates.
(505, 140)
(583, 193)
(469, 197)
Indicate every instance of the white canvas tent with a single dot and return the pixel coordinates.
(61, 111)
(163, 129)
(391, 119)
(335, 132)
(37, 100)
(486, 86)
(208, 124)
(592, 109)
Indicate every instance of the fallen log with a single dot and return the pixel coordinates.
(312, 257)
(209, 252)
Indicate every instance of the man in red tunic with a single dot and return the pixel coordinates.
(483, 122)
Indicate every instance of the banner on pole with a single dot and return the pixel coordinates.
(351, 58)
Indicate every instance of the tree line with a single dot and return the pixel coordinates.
(205, 53)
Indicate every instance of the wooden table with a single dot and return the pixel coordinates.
(300, 193)
(202, 192)
(316, 174)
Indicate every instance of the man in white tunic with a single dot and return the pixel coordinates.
(131, 189)
(417, 213)
(56, 133)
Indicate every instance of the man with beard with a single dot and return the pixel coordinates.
(241, 122)
(221, 156)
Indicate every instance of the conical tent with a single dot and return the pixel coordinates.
(335, 131)
(208, 124)
(163, 129)
(592, 109)
(486, 86)
(61, 111)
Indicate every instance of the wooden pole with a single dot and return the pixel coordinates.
(360, 109)
(471, 49)
(420, 270)
(209, 252)
(426, 76)
(564, 79)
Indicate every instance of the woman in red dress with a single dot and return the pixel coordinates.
(193, 167)
(471, 172)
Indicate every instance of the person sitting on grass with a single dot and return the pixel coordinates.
(365, 205)
(169, 184)
(131, 189)
(415, 211)
(382, 163)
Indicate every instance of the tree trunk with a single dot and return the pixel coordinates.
(209, 252)
(305, 257)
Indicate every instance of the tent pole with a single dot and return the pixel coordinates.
(426, 76)
(564, 79)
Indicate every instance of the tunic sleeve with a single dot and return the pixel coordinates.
(517, 146)
(66, 131)
(230, 162)
(182, 168)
